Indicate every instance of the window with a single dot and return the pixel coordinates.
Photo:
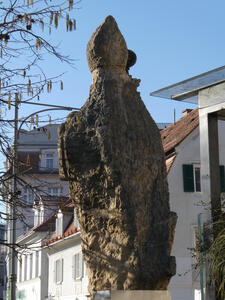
(77, 264)
(25, 268)
(49, 160)
(197, 178)
(59, 223)
(37, 264)
(75, 219)
(31, 266)
(28, 195)
(19, 268)
(53, 191)
(58, 270)
(192, 178)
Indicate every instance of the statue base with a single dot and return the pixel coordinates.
(132, 295)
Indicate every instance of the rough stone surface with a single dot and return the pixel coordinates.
(111, 153)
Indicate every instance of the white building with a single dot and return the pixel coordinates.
(38, 171)
(32, 262)
(68, 277)
(51, 266)
(37, 178)
(182, 148)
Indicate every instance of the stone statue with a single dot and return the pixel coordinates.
(111, 154)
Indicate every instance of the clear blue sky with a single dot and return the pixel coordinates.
(173, 40)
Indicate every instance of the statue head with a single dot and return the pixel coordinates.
(107, 48)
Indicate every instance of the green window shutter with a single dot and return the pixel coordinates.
(222, 179)
(188, 178)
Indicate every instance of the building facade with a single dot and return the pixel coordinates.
(68, 276)
(37, 178)
(181, 143)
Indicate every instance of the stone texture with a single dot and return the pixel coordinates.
(111, 153)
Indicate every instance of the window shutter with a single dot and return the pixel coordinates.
(222, 179)
(76, 266)
(80, 265)
(188, 178)
(55, 271)
(73, 267)
(61, 270)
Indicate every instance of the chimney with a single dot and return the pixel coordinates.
(187, 111)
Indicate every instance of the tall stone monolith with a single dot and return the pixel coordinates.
(111, 154)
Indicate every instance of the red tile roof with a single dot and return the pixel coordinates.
(47, 225)
(68, 232)
(174, 134)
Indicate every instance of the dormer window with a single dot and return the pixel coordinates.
(75, 219)
(49, 160)
(59, 223)
(38, 216)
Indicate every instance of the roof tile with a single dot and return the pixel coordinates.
(173, 135)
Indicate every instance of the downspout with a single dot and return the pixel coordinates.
(200, 238)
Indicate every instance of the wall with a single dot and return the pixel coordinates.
(185, 284)
(69, 289)
(35, 285)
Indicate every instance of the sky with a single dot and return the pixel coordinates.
(173, 40)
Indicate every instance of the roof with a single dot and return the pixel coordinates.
(71, 229)
(173, 135)
(44, 135)
(47, 226)
(188, 89)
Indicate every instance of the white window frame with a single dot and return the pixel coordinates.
(19, 268)
(31, 265)
(197, 166)
(37, 264)
(25, 268)
(49, 160)
(28, 195)
(77, 266)
(53, 191)
(58, 271)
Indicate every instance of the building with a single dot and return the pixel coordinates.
(52, 266)
(181, 144)
(67, 272)
(32, 261)
(68, 276)
(37, 178)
